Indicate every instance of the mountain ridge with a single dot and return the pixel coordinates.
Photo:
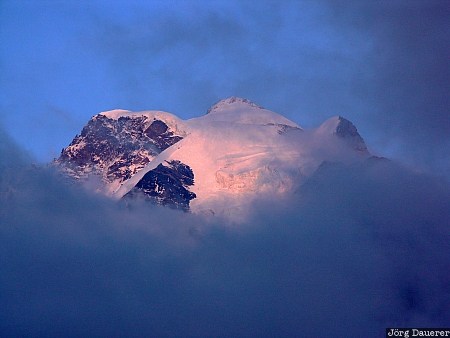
(220, 161)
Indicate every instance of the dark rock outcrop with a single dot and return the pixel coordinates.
(166, 185)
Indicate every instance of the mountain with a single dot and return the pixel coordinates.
(217, 163)
(115, 145)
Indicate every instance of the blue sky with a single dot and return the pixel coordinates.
(383, 65)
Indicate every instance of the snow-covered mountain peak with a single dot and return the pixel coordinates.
(232, 102)
(242, 111)
(115, 113)
(217, 163)
(172, 121)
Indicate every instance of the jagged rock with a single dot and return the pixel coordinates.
(166, 185)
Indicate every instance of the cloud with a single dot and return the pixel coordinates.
(211, 52)
(406, 92)
(354, 250)
(383, 65)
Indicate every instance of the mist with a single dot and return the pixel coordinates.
(354, 250)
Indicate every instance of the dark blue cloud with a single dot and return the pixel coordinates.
(405, 98)
(355, 250)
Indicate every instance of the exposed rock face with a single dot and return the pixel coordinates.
(167, 185)
(283, 128)
(115, 149)
(347, 130)
(158, 133)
